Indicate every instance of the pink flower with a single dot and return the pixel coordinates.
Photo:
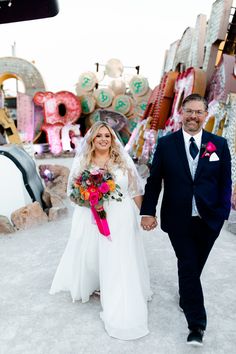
(93, 198)
(210, 148)
(104, 188)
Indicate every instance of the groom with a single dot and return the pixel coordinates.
(195, 169)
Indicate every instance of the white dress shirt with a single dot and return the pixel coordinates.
(193, 162)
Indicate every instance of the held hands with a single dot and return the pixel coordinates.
(148, 222)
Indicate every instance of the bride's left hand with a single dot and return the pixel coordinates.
(148, 222)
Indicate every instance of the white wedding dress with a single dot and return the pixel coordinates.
(118, 267)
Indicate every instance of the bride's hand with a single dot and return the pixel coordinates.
(148, 222)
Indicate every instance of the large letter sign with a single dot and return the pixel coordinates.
(193, 80)
(60, 109)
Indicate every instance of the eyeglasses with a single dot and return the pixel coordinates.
(190, 112)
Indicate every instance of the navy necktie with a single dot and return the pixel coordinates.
(193, 149)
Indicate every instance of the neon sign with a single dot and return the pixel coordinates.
(60, 109)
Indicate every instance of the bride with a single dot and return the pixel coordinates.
(117, 267)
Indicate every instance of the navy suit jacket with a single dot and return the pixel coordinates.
(211, 185)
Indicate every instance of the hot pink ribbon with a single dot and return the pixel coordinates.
(101, 223)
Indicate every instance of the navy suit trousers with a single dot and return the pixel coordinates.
(192, 246)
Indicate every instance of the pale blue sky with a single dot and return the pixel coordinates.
(84, 32)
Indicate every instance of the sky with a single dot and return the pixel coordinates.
(137, 32)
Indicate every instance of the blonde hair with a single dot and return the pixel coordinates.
(114, 151)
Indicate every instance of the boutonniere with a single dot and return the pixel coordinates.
(209, 149)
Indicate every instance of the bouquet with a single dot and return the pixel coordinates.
(91, 189)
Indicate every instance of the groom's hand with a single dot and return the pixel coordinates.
(148, 222)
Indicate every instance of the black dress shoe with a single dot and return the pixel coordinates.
(195, 337)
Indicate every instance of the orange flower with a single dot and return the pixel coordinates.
(85, 195)
(111, 184)
(81, 189)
